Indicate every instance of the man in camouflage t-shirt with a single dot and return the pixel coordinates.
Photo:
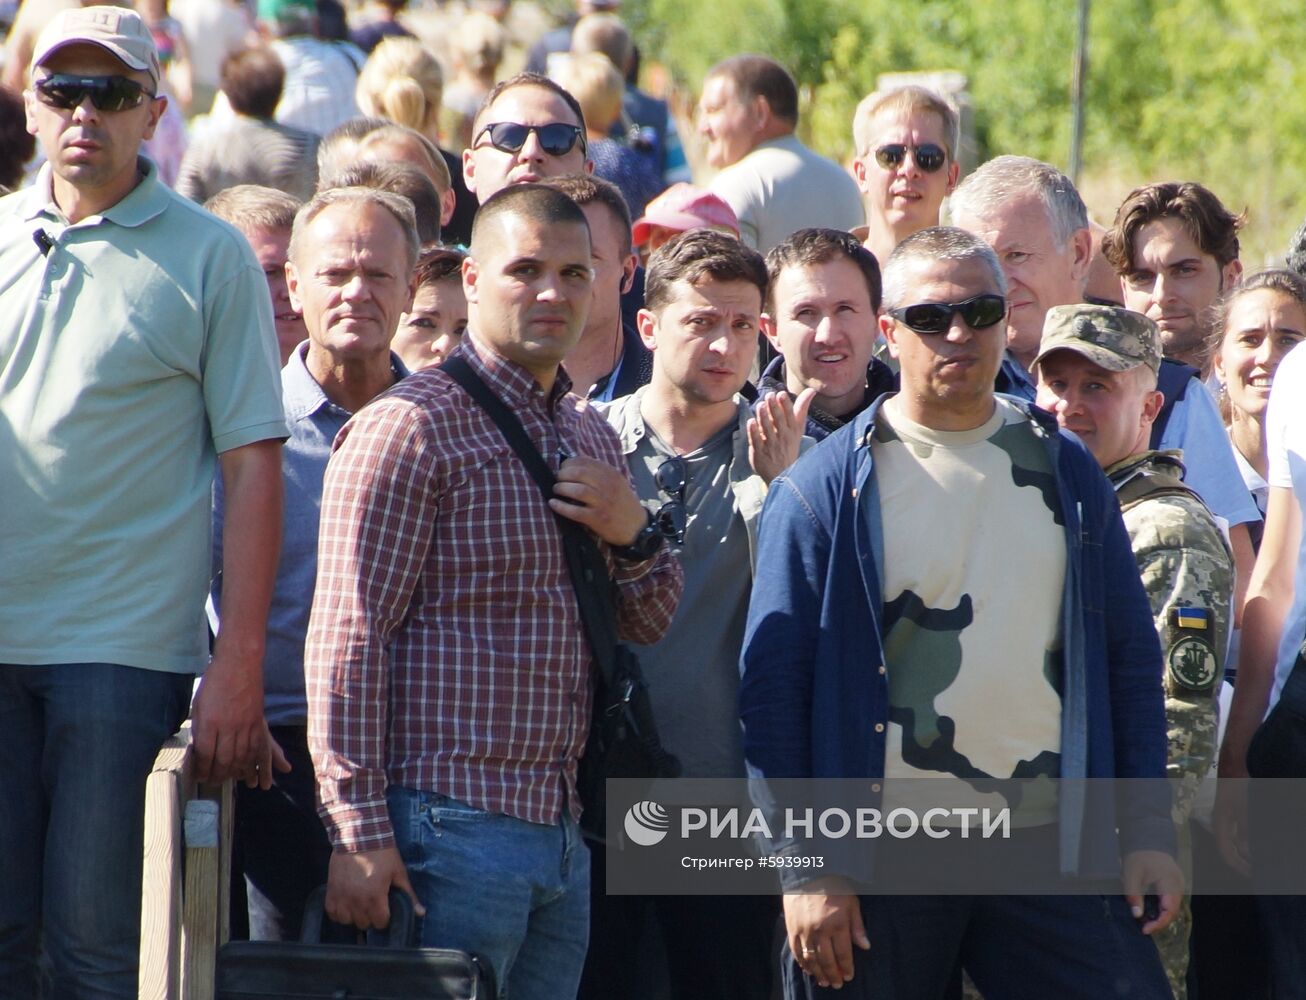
(1096, 371)
(945, 590)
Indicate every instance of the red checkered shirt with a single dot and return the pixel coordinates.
(445, 651)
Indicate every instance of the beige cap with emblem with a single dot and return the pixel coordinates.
(1112, 338)
(118, 30)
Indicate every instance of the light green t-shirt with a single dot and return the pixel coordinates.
(974, 566)
(131, 353)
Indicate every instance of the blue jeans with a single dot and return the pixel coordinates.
(77, 741)
(516, 894)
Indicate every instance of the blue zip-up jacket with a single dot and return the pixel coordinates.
(813, 693)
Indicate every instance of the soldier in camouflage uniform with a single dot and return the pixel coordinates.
(1096, 371)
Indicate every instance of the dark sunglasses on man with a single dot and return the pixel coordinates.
(556, 138)
(929, 156)
(66, 91)
(672, 517)
(977, 312)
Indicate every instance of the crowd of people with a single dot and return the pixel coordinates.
(880, 498)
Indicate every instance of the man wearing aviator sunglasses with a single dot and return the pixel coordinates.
(132, 371)
(94, 106)
(906, 164)
(528, 129)
(885, 580)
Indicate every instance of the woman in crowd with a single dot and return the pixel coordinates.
(1271, 668)
(402, 82)
(598, 87)
(1258, 323)
(435, 324)
(476, 49)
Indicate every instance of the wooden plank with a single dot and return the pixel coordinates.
(161, 881)
(201, 898)
(226, 796)
(161, 890)
(185, 918)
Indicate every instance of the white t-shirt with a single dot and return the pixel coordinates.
(1256, 486)
(972, 650)
(1285, 434)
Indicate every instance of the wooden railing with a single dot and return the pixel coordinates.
(186, 879)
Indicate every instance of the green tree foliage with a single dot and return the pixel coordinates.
(1208, 90)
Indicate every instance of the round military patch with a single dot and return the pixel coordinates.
(1192, 663)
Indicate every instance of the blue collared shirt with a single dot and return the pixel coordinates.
(313, 421)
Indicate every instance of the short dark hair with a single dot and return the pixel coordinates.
(542, 205)
(438, 264)
(252, 78)
(1212, 226)
(251, 206)
(760, 76)
(527, 80)
(820, 246)
(18, 144)
(698, 254)
(402, 179)
(585, 189)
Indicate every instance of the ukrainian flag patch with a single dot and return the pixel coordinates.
(1191, 618)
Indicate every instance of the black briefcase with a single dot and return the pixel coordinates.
(389, 970)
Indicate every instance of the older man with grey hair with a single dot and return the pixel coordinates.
(1033, 218)
(350, 274)
(875, 589)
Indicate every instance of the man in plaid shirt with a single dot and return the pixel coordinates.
(448, 673)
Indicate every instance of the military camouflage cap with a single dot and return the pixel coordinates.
(1112, 338)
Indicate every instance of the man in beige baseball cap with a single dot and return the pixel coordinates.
(139, 355)
(93, 101)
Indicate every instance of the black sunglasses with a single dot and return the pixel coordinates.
(929, 156)
(977, 312)
(108, 93)
(556, 138)
(672, 517)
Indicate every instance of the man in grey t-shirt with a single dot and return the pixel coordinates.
(701, 461)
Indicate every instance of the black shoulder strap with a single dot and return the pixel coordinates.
(1172, 381)
(461, 372)
(585, 564)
